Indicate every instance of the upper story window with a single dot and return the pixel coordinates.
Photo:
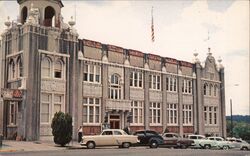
(215, 90)
(187, 86)
(205, 89)
(92, 73)
(136, 79)
(115, 87)
(171, 83)
(46, 68)
(20, 67)
(49, 17)
(155, 82)
(12, 70)
(58, 69)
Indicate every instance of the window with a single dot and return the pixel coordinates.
(137, 112)
(187, 86)
(211, 115)
(205, 115)
(155, 113)
(12, 113)
(46, 68)
(12, 70)
(91, 110)
(171, 84)
(187, 114)
(58, 69)
(107, 133)
(136, 79)
(117, 133)
(205, 89)
(58, 102)
(210, 89)
(92, 73)
(45, 108)
(155, 82)
(215, 90)
(215, 115)
(20, 67)
(50, 104)
(172, 114)
(115, 87)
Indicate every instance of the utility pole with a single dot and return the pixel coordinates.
(231, 117)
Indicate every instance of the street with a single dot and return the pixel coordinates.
(134, 151)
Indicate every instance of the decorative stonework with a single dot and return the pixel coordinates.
(211, 101)
(92, 90)
(172, 98)
(136, 94)
(53, 85)
(155, 96)
(212, 129)
(187, 99)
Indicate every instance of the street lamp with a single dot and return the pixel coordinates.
(231, 110)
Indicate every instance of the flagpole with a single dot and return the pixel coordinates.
(152, 30)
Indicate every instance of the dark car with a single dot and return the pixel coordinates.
(149, 138)
(174, 140)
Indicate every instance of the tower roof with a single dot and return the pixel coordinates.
(59, 1)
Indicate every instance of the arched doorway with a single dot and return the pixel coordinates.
(24, 15)
(49, 16)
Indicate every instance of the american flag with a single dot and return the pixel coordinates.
(152, 27)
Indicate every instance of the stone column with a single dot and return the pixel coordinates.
(195, 107)
(180, 103)
(164, 102)
(200, 105)
(146, 99)
(80, 93)
(105, 78)
(126, 94)
(222, 112)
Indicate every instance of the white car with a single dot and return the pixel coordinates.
(110, 137)
(221, 143)
(201, 141)
(238, 143)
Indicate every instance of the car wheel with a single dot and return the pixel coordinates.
(225, 147)
(207, 146)
(154, 144)
(126, 145)
(183, 146)
(244, 148)
(90, 145)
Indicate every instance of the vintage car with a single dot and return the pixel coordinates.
(109, 137)
(201, 141)
(149, 138)
(221, 143)
(239, 143)
(176, 141)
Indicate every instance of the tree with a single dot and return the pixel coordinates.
(242, 130)
(62, 128)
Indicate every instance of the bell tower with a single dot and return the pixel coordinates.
(45, 12)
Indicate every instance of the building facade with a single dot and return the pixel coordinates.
(46, 68)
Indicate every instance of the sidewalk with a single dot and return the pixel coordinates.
(14, 146)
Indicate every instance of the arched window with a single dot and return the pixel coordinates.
(58, 69)
(205, 89)
(24, 15)
(215, 90)
(12, 69)
(48, 16)
(115, 87)
(46, 67)
(210, 89)
(20, 67)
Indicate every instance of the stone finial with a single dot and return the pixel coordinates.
(196, 59)
(105, 58)
(209, 52)
(7, 23)
(80, 54)
(146, 66)
(220, 66)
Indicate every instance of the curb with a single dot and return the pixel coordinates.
(10, 150)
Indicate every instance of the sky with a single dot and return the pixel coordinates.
(181, 29)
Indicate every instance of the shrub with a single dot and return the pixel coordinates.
(62, 128)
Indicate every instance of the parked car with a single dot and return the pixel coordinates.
(221, 143)
(149, 138)
(202, 142)
(109, 137)
(238, 143)
(176, 141)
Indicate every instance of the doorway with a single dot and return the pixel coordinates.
(114, 121)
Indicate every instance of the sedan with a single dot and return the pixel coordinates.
(109, 137)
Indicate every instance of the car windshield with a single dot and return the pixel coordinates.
(107, 133)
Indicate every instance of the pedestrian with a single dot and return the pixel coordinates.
(80, 134)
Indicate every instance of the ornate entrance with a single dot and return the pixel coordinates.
(114, 121)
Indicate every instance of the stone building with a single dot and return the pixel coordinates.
(46, 68)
